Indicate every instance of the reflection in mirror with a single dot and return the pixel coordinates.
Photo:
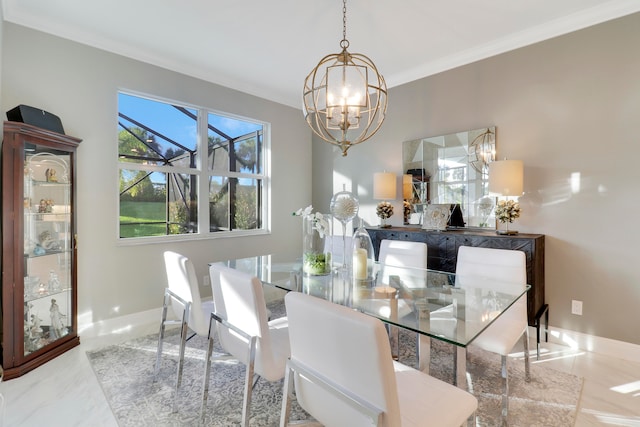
(452, 169)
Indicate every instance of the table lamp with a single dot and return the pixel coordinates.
(506, 179)
(384, 188)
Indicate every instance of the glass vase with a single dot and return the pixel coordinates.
(316, 252)
(363, 257)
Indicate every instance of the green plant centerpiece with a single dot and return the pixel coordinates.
(316, 254)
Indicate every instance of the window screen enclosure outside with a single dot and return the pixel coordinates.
(184, 170)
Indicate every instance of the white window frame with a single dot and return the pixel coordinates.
(202, 174)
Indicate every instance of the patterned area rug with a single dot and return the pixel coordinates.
(125, 372)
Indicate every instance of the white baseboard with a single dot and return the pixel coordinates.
(595, 344)
(118, 324)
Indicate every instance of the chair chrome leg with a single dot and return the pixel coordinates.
(287, 396)
(505, 390)
(163, 319)
(207, 373)
(525, 342)
(248, 382)
(184, 329)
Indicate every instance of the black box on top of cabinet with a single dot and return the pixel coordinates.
(37, 117)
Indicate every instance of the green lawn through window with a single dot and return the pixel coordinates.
(132, 214)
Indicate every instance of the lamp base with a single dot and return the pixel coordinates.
(506, 232)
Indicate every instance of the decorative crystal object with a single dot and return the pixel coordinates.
(344, 207)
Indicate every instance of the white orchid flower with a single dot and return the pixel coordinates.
(321, 224)
(304, 212)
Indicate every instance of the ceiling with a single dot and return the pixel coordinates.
(267, 47)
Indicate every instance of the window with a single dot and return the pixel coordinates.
(168, 187)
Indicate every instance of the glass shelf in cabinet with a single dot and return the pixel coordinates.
(37, 183)
(49, 217)
(48, 252)
(45, 293)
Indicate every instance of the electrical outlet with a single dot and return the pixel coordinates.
(576, 307)
(206, 281)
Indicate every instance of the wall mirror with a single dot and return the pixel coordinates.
(451, 169)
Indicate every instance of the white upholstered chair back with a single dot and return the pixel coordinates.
(401, 253)
(182, 281)
(500, 264)
(348, 348)
(239, 299)
(502, 270)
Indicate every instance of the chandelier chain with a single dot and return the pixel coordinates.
(344, 43)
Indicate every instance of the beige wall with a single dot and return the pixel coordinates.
(80, 84)
(567, 107)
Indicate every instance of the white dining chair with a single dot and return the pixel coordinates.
(505, 269)
(342, 374)
(403, 253)
(240, 320)
(190, 312)
(394, 255)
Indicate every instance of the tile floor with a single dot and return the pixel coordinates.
(65, 392)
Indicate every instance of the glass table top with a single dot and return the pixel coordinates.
(437, 304)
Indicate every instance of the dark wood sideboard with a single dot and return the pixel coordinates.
(442, 253)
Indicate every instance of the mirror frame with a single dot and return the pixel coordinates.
(451, 169)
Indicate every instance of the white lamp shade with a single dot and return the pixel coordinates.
(506, 177)
(384, 186)
(407, 182)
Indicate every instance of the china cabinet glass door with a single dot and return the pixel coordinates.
(48, 249)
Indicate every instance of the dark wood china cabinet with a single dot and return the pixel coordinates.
(39, 293)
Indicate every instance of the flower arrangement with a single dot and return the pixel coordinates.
(384, 210)
(319, 221)
(315, 226)
(507, 210)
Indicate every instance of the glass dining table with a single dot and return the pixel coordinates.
(433, 304)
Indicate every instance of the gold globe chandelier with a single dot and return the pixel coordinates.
(345, 97)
